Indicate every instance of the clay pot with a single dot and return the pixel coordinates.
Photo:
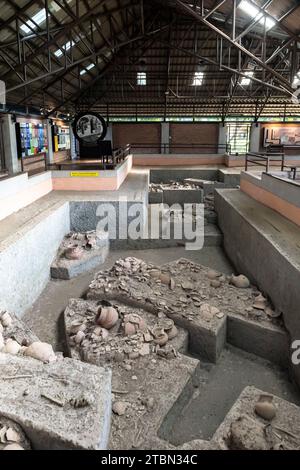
(41, 351)
(134, 323)
(160, 336)
(12, 347)
(6, 320)
(265, 408)
(260, 302)
(130, 329)
(240, 281)
(73, 253)
(107, 317)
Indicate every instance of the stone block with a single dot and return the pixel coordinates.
(45, 400)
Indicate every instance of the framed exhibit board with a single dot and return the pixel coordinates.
(31, 139)
(281, 135)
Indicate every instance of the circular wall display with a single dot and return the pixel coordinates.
(89, 127)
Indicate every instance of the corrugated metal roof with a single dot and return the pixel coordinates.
(89, 52)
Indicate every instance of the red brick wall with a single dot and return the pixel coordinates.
(138, 133)
(195, 134)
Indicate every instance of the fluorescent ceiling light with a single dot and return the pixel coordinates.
(37, 19)
(198, 79)
(254, 12)
(246, 81)
(88, 67)
(142, 78)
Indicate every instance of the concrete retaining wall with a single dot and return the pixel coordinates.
(252, 245)
(25, 259)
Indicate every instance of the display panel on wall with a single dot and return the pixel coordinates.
(61, 137)
(284, 135)
(32, 139)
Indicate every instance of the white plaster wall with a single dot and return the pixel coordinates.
(20, 191)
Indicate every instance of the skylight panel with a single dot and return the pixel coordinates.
(37, 19)
(245, 80)
(142, 78)
(296, 81)
(198, 79)
(254, 12)
(88, 67)
(65, 47)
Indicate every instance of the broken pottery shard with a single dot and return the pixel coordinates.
(119, 408)
(247, 434)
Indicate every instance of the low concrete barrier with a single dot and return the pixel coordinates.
(279, 194)
(265, 247)
(19, 191)
(92, 180)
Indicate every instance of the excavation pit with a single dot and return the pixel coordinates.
(213, 391)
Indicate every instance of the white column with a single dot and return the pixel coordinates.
(255, 137)
(50, 156)
(222, 138)
(10, 144)
(72, 144)
(165, 135)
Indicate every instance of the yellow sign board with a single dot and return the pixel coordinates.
(84, 174)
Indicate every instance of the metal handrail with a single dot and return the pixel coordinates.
(263, 159)
(168, 148)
